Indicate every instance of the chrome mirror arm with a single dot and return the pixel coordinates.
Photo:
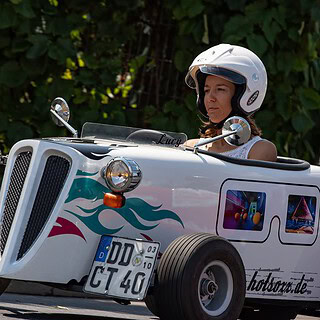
(236, 131)
(209, 140)
(65, 123)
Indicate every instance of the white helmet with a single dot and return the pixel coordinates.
(236, 64)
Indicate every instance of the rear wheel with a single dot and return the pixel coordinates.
(200, 277)
(151, 304)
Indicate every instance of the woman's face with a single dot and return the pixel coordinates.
(218, 93)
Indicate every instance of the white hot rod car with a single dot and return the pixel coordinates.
(133, 214)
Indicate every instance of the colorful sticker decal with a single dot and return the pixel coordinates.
(92, 190)
(244, 210)
(301, 214)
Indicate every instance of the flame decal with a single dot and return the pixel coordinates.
(87, 189)
(65, 227)
(90, 189)
(93, 223)
(86, 174)
(148, 212)
(133, 207)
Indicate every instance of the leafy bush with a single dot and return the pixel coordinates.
(51, 48)
(285, 34)
(82, 50)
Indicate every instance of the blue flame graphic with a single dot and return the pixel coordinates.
(91, 189)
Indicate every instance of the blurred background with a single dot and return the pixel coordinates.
(123, 62)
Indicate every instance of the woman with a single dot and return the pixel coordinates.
(230, 80)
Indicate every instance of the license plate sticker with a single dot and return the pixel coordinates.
(122, 268)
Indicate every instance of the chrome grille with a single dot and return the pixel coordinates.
(52, 181)
(17, 179)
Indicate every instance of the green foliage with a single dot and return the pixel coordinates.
(285, 34)
(52, 48)
(79, 50)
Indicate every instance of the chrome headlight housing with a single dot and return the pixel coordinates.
(121, 175)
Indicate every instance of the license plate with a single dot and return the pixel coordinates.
(122, 268)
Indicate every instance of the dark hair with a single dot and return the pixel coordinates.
(208, 129)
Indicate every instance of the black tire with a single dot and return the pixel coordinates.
(200, 277)
(151, 304)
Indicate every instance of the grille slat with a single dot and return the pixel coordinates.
(17, 179)
(51, 184)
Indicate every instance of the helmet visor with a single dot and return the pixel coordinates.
(190, 81)
(227, 74)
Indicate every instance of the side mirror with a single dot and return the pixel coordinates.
(61, 108)
(239, 129)
(60, 114)
(236, 131)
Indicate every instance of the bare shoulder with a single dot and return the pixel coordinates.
(263, 150)
(191, 142)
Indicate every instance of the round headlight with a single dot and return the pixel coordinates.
(121, 175)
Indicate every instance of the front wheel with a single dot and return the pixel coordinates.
(200, 277)
(152, 304)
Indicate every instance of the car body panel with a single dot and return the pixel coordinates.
(270, 215)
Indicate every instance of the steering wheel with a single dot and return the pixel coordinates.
(151, 137)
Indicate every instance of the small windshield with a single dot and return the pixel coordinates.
(127, 134)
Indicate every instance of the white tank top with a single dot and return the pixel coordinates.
(241, 152)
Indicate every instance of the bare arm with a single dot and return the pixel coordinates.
(263, 150)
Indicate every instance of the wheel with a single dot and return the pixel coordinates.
(151, 137)
(152, 304)
(4, 283)
(200, 277)
(144, 135)
(151, 300)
